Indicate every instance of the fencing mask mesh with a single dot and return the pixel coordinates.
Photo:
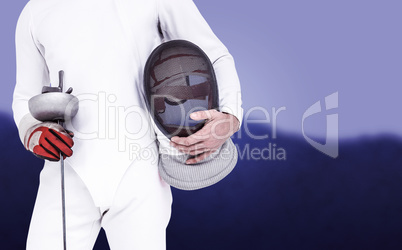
(178, 80)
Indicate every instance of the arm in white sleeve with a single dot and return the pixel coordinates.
(32, 72)
(180, 19)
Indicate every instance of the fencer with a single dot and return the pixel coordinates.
(112, 178)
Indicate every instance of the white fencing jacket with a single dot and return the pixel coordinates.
(102, 46)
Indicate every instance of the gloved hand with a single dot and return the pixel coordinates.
(47, 140)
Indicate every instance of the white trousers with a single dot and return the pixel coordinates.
(137, 219)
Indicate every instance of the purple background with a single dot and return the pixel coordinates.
(291, 54)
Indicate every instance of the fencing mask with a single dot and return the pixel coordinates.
(179, 79)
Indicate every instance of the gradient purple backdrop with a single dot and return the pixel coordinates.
(292, 54)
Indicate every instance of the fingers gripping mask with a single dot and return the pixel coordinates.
(179, 79)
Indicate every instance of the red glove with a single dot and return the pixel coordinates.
(47, 140)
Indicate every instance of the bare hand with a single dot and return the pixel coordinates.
(217, 129)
